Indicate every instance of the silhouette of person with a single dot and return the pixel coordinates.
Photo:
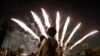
(42, 37)
(49, 45)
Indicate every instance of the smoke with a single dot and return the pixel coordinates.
(16, 39)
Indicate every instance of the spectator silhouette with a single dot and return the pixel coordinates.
(49, 45)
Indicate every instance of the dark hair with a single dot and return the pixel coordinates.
(51, 31)
(32, 54)
(42, 37)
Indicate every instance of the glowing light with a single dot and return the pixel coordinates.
(46, 18)
(24, 54)
(40, 25)
(57, 26)
(79, 41)
(47, 22)
(71, 35)
(25, 27)
(64, 30)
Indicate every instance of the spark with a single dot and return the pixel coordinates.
(46, 18)
(64, 30)
(57, 26)
(25, 27)
(79, 41)
(40, 25)
(71, 35)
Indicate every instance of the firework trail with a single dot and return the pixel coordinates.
(57, 26)
(40, 25)
(64, 30)
(25, 27)
(71, 35)
(79, 41)
(46, 18)
(48, 24)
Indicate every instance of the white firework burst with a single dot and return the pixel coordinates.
(47, 24)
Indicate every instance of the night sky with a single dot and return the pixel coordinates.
(87, 12)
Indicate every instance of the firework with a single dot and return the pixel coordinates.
(48, 24)
(57, 25)
(71, 35)
(46, 18)
(79, 41)
(25, 27)
(64, 30)
(40, 25)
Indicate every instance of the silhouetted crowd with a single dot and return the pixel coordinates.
(48, 46)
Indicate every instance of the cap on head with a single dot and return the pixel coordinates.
(51, 31)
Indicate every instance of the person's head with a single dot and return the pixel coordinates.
(32, 54)
(42, 37)
(51, 31)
